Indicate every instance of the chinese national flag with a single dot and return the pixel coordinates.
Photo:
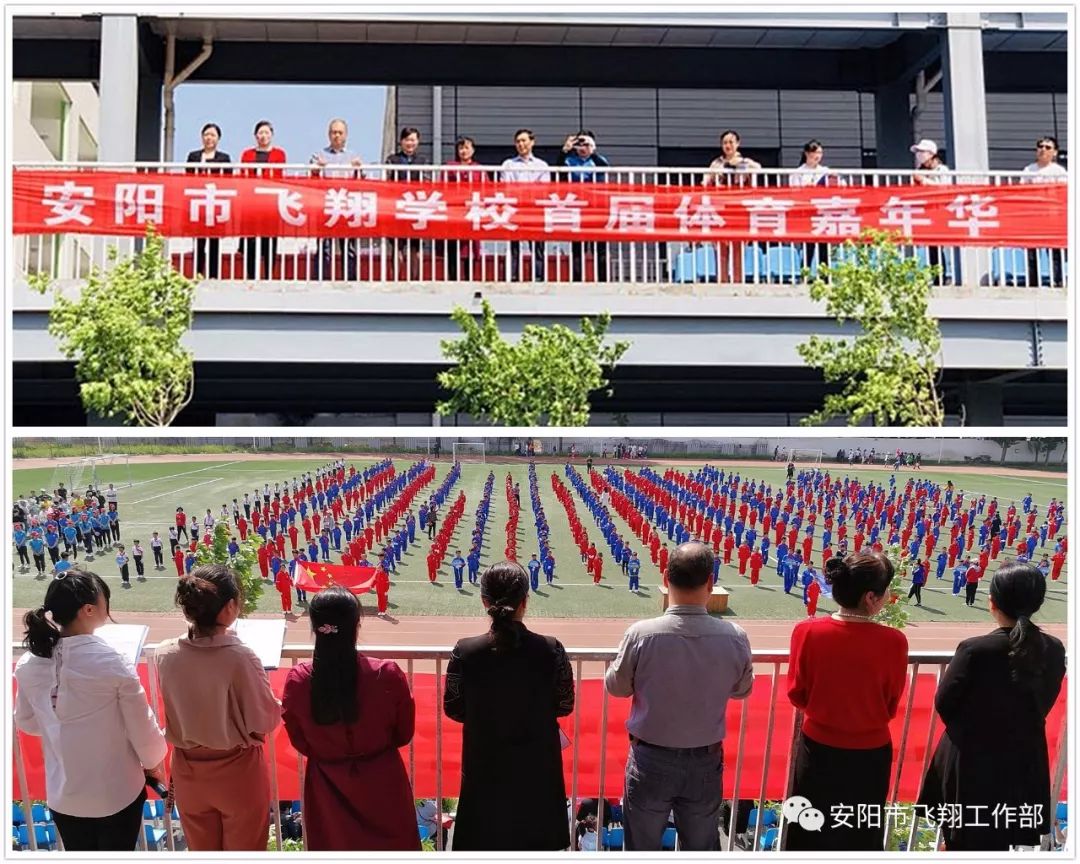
(311, 576)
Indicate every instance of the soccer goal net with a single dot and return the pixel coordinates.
(95, 471)
(470, 451)
(804, 458)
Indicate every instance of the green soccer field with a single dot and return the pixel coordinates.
(158, 488)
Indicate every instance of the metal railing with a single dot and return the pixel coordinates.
(932, 662)
(294, 259)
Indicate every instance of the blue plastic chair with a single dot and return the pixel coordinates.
(769, 818)
(296, 806)
(613, 839)
(783, 263)
(668, 840)
(751, 821)
(45, 835)
(1008, 266)
(17, 816)
(694, 265)
(148, 813)
(424, 832)
(755, 265)
(769, 838)
(1061, 812)
(41, 813)
(155, 837)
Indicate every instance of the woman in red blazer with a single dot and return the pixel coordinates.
(260, 253)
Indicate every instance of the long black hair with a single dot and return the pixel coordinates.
(64, 597)
(504, 586)
(335, 614)
(1018, 590)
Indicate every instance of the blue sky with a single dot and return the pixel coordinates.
(300, 114)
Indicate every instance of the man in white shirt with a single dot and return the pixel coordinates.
(526, 168)
(1045, 169)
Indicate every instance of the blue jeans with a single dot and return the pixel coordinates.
(661, 781)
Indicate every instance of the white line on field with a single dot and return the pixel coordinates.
(211, 467)
(171, 492)
(1060, 483)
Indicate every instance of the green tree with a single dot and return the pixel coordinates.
(244, 565)
(889, 370)
(547, 376)
(895, 613)
(1039, 446)
(124, 331)
(1006, 443)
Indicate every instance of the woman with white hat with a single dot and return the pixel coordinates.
(928, 163)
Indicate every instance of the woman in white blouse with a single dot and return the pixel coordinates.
(810, 171)
(84, 699)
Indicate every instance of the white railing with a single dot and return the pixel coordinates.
(288, 260)
(598, 659)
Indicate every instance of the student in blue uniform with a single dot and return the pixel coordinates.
(324, 542)
(633, 569)
(548, 566)
(942, 563)
(335, 534)
(234, 549)
(37, 549)
(781, 558)
(122, 563)
(21, 538)
(312, 551)
(71, 539)
(474, 565)
(52, 544)
(63, 565)
(960, 576)
(457, 564)
(918, 579)
(764, 551)
(715, 570)
(534, 573)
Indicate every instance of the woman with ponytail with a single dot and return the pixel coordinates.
(349, 715)
(993, 701)
(219, 708)
(508, 687)
(846, 673)
(84, 699)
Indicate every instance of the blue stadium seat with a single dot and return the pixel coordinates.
(769, 839)
(696, 264)
(751, 820)
(155, 837)
(148, 813)
(1061, 812)
(17, 817)
(44, 834)
(296, 806)
(755, 267)
(616, 813)
(1008, 266)
(783, 263)
(424, 832)
(668, 840)
(41, 813)
(613, 839)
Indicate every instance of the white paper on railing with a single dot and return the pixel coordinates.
(266, 637)
(128, 639)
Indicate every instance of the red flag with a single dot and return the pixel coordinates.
(311, 576)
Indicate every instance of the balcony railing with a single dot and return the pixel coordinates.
(291, 259)
(911, 749)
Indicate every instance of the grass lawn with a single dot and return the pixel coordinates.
(159, 488)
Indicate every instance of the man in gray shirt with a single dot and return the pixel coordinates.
(336, 160)
(681, 669)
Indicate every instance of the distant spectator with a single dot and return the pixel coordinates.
(929, 167)
(1045, 169)
(811, 172)
(336, 160)
(349, 715)
(508, 687)
(526, 168)
(260, 254)
(204, 247)
(676, 725)
(730, 160)
(219, 708)
(846, 673)
(85, 702)
(469, 250)
(583, 158)
(1003, 683)
(406, 249)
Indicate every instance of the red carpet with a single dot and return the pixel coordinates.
(749, 781)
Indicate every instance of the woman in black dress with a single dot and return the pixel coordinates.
(507, 687)
(994, 700)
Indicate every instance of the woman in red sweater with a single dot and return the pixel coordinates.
(260, 253)
(846, 674)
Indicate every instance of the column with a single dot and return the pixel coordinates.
(892, 124)
(119, 83)
(965, 92)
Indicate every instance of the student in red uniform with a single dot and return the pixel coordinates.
(306, 525)
(729, 545)
(432, 566)
(744, 558)
(284, 588)
(663, 559)
(382, 589)
(178, 560)
(813, 592)
(974, 574)
(755, 566)
(1059, 562)
(847, 674)
(264, 559)
(826, 554)
(293, 535)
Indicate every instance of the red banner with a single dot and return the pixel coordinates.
(311, 576)
(189, 205)
(758, 748)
